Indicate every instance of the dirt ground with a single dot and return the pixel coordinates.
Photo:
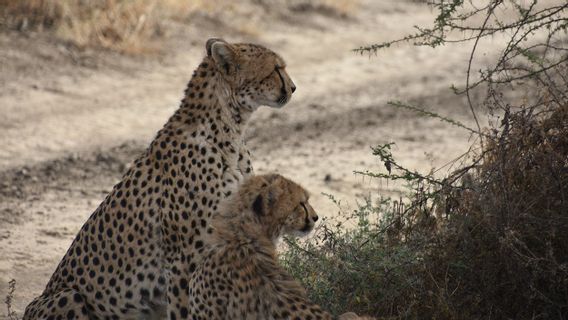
(72, 121)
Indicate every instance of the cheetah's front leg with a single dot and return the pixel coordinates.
(178, 291)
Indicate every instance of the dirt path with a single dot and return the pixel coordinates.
(69, 130)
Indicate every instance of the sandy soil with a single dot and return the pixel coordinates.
(71, 121)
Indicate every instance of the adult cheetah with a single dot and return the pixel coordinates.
(133, 257)
(240, 277)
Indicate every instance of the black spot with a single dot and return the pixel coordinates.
(145, 293)
(62, 302)
(77, 298)
(183, 284)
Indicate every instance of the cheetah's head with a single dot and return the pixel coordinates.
(279, 205)
(256, 75)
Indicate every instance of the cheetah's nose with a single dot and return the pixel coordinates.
(315, 218)
(293, 88)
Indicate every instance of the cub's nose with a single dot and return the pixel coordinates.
(315, 218)
(293, 88)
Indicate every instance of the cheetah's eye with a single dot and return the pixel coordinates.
(304, 206)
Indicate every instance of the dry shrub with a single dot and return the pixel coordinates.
(503, 248)
(494, 246)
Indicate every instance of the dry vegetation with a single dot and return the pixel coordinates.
(124, 26)
(494, 246)
(133, 26)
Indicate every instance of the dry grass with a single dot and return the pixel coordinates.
(120, 25)
(133, 26)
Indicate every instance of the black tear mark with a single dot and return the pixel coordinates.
(283, 87)
(257, 206)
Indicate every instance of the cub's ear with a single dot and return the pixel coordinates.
(224, 56)
(271, 177)
(258, 206)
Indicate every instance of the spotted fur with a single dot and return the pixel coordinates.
(133, 257)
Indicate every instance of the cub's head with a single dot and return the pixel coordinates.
(256, 75)
(278, 205)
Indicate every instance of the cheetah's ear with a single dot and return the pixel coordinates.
(210, 42)
(224, 56)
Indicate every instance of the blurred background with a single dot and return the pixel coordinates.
(85, 85)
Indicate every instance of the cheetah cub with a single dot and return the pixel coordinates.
(240, 277)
